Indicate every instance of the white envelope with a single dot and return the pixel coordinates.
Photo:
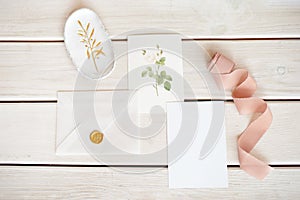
(80, 113)
(71, 136)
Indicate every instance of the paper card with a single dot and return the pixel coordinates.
(155, 69)
(187, 126)
(155, 73)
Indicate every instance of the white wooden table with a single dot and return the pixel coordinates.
(261, 36)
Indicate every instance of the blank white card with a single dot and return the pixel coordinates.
(187, 126)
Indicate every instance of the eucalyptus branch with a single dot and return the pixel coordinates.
(160, 76)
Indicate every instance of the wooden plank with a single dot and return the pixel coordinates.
(106, 183)
(36, 71)
(29, 130)
(44, 20)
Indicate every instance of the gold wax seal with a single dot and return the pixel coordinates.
(96, 137)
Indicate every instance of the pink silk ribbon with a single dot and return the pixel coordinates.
(243, 87)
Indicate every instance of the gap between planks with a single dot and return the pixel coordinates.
(182, 39)
(288, 166)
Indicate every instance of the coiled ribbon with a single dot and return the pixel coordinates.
(243, 87)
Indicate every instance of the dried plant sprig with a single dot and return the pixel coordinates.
(93, 48)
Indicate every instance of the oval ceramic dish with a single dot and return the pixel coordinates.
(88, 44)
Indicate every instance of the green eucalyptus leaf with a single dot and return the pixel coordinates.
(168, 77)
(144, 73)
(149, 68)
(162, 59)
(143, 52)
(167, 85)
(160, 80)
(163, 74)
